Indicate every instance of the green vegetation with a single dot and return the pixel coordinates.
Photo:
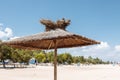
(23, 56)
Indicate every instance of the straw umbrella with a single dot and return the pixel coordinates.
(56, 36)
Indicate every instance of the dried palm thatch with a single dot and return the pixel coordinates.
(45, 40)
(50, 25)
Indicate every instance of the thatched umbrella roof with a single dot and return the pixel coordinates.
(45, 40)
(55, 37)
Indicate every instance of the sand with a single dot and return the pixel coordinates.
(91, 72)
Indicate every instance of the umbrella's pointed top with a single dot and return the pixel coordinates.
(50, 25)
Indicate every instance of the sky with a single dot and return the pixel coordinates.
(95, 19)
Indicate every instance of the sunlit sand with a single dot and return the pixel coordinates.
(91, 72)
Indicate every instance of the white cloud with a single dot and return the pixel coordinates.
(103, 45)
(8, 32)
(13, 37)
(5, 33)
(2, 34)
(94, 48)
(117, 48)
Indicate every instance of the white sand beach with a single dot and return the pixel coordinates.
(91, 72)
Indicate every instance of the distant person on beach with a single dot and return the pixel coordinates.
(35, 62)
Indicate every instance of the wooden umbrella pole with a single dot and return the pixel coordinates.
(55, 60)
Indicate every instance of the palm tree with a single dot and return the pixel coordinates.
(5, 52)
(1, 54)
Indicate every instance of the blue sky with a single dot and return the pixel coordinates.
(95, 19)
